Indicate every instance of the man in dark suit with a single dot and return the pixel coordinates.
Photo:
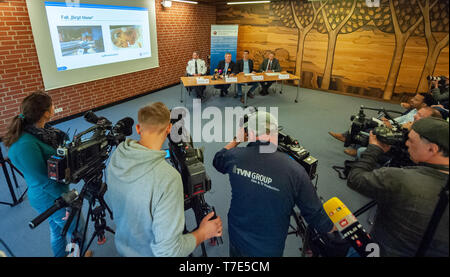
(228, 68)
(246, 65)
(269, 65)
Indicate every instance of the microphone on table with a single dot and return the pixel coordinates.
(349, 227)
(220, 72)
(215, 74)
(229, 71)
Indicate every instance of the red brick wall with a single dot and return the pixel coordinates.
(181, 29)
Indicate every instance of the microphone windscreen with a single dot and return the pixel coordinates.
(91, 117)
(124, 126)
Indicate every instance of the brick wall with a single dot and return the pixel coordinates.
(181, 29)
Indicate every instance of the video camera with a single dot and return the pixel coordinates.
(188, 160)
(83, 157)
(395, 136)
(441, 80)
(360, 126)
(291, 146)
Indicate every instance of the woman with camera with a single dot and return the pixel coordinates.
(31, 141)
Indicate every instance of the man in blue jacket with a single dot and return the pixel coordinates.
(265, 189)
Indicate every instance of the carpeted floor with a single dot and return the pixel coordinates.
(308, 121)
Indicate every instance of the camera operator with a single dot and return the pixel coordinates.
(146, 194)
(407, 196)
(31, 143)
(422, 113)
(265, 188)
(439, 90)
(419, 101)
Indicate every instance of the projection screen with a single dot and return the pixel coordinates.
(82, 41)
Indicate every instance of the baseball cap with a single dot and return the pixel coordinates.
(261, 123)
(434, 130)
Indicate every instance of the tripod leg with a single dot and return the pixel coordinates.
(83, 238)
(89, 244)
(10, 186)
(102, 202)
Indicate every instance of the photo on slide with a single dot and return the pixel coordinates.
(126, 36)
(80, 40)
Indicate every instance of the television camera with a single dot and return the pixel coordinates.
(188, 161)
(84, 159)
(395, 136)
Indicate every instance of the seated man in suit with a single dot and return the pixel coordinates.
(246, 65)
(196, 67)
(228, 67)
(269, 65)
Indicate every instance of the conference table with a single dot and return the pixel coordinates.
(241, 78)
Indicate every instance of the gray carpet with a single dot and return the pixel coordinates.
(308, 121)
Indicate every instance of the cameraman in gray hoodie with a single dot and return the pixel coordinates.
(146, 194)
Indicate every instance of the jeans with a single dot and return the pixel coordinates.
(239, 88)
(58, 242)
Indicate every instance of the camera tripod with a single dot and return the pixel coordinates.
(4, 163)
(93, 191)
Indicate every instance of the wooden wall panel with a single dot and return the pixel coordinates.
(364, 49)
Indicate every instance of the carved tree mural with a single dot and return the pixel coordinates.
(299, 14)
(408, 23)
(338, 17)
(403, 18)
(435, 18)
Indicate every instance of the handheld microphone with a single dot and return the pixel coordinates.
(348, 226)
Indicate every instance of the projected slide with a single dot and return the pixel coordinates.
(89, 35)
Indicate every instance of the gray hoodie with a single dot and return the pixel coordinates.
(145, 194)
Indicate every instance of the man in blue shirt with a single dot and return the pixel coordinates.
(246, 66)
(265, 189)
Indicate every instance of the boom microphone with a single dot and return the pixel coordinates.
(348, 226)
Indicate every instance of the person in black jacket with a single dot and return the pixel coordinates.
(246, 65)
(227, 67)
(270, 64)
(407, 196)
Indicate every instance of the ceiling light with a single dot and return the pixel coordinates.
(184, 1)
(247, 2)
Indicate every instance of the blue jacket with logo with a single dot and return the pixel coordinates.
(265, 189)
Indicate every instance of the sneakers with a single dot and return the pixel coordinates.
(337, 136)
